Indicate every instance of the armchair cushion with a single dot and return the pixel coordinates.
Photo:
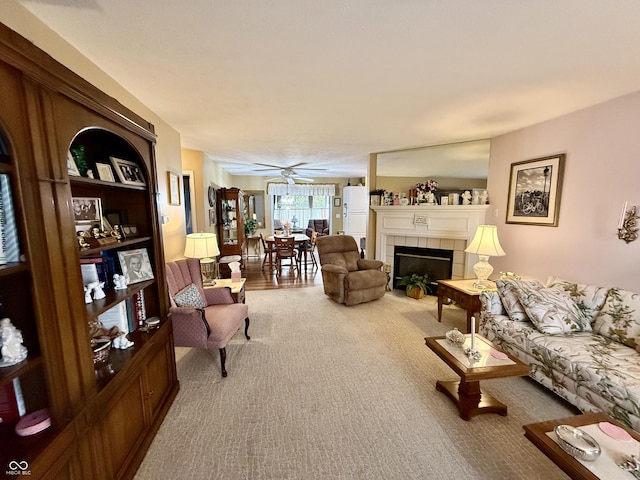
(189, 297)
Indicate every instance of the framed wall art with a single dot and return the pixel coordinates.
(534, 191)
(174, 188)
(337, 202)
(128, 172)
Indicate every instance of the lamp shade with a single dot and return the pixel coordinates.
(485, 242)
(201, 245)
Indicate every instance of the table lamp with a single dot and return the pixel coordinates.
(485, 244)
(203, 246)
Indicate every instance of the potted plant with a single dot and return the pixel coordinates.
(250, 226)
(417, 284)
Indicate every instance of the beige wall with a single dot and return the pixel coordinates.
(602, 171)
(168, 144)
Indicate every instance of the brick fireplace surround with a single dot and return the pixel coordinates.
(448, 227)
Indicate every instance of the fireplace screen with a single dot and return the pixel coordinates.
(435, 262)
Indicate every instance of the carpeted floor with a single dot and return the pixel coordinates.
(324, 391)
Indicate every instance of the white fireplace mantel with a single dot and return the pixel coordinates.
(450, 222)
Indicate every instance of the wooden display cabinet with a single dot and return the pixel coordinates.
(231, 213)
(103, 417)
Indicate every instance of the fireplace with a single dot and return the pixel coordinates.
(436, 262)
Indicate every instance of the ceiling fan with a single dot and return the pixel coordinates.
(288, 173)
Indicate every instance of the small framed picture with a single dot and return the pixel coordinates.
(174, 188)
(104, 172)
(212, 216)
(337, 201)
(135, 265)
(87, 210)
(128, 172)
(72, 168)
(444, 200)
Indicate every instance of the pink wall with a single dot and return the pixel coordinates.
(602, 171)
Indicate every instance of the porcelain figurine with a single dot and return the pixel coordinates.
(466, 198)
(11, 340)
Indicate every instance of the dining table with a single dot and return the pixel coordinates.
(299, 239)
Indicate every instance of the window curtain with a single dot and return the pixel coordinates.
(326, 190)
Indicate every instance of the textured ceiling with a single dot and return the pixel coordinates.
(328, 82)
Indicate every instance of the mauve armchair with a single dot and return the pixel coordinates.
(211, 324)
(346, 277)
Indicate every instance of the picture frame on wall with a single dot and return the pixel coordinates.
(174, 188)
(128, 172)
(337, 202)
(135, 265)
(535, 187)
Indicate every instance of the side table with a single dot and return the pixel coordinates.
(237, 287)
(463, 293)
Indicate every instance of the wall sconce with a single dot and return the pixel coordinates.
(627, 230)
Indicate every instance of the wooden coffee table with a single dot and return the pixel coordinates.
(537, 434)
(466, 393)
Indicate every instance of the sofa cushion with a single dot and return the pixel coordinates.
(552, 310)
(588, 298)
(508, 291)
(189, 296)
(619, 318)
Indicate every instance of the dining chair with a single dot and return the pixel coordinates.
(269, 249)
(285, 250)
(309, 249)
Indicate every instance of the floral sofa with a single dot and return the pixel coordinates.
(580, 340)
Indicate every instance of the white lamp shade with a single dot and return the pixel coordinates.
(485, 242)
(201, 245)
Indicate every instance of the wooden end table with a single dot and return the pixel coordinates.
(466, 393)
(237, 287)
(537, 434)
(463, 293)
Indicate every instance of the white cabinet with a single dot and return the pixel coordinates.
(355, 211)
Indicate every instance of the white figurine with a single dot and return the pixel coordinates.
(484, 197)
(475, 198)
(11, 340)
(87, 292)
(120, 282)
(122, 342)
(431, 198)
(466, 198)
(98, 292)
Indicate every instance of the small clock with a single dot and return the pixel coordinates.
(212, 197)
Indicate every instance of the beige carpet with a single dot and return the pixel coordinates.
(324, 391)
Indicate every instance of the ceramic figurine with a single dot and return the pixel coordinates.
(11, 340)
(484, 197)
(475, 198)
(98, 292)
(120, 282)
(466, 198)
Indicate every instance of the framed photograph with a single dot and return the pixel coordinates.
(174, 188)
(212, 216)
(337, 201)
(534, 191)
(72, 168)
(104, 172)
(212, 196)
(87, 210)
(128, 172)
(135, 265)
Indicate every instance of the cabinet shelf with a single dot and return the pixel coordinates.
(114, 297)
(102, 183)
(7, 374)
(12, 269)
(89, 252)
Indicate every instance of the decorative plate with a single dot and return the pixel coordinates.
(212, 196)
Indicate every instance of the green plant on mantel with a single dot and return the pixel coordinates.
(417, 284)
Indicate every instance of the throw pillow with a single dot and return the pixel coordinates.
(619, 318)
(189, 296)
(588, 298)
(508, 291)
(553, 311)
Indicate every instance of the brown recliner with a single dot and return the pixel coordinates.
(319, 226)
(347, 278)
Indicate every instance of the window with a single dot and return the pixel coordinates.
(299, 209)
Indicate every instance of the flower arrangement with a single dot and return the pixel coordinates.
(429, 187)
(286, 225)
